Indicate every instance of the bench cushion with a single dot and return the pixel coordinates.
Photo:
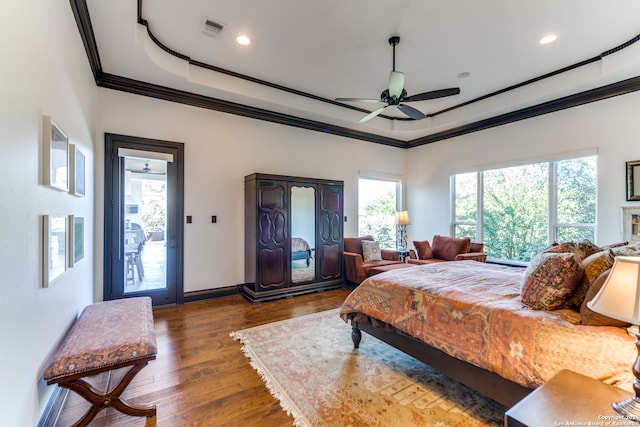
(107, 334)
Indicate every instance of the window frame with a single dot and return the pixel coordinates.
(376, 176)
(552, 199)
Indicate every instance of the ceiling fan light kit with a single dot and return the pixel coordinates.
(396, 95)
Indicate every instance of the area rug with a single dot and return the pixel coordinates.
(309, 364)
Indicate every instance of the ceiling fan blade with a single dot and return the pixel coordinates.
(396, 83)
(411, 112)
(433, 94)
(372, 114)
(357, 100)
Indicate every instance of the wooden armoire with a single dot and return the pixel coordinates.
(293, 235)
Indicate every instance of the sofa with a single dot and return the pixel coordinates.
(445, 248)
(356, 268)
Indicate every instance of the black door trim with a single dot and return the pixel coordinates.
(174, 203)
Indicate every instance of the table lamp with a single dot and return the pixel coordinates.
(402, 219)
(619, 298)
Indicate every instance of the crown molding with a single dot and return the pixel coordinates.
(598, 94)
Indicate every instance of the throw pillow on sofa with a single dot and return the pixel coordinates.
(371, 251)
(550, 279)
(423, 249)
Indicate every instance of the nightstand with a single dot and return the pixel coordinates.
(568, 399)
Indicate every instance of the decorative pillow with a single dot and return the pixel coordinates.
(587, 248)
(615, 245)
(371, 251)
(550, 279)
(590, 317)
(582, 249)
(593, 266)
(446, 248)
(423, 249)
(627, 250)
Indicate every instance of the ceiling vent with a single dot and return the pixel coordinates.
(212, 28)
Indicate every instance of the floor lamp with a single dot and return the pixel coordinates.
(619, 299)
(402, 219)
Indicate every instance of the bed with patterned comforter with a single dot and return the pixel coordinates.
(473, 312)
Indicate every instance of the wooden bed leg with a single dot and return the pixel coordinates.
(356, 335)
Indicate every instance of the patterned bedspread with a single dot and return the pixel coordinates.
(472, 311)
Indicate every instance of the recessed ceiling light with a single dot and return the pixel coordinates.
(243, 40)
(464, 75)
(548, 39)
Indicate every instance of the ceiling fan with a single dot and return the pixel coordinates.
(147, 170)
(396, 95)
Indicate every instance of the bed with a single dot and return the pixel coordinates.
(300, 249)
(467, 319)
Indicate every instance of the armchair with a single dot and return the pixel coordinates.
(356, 269)
(445, 248)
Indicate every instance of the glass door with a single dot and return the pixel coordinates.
(143, 226)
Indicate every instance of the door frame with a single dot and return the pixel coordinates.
(175, 205)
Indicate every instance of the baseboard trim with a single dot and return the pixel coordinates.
(211, 293)
(51, 412)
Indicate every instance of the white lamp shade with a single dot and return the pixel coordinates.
(619, 297)
(402, 217)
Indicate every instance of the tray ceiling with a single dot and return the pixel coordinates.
(303, 55)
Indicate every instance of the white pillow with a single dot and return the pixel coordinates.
(371, 251)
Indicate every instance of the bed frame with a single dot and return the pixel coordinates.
(487, 383)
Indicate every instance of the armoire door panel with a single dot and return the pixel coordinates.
(279, 228)
(265, 230)
(330, 199)
(331, 265)
(331, 231)
(271, 197)
(272, 267)
(325, 228)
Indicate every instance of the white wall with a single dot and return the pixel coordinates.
(611, 126)
(44, 72)
(220, 150)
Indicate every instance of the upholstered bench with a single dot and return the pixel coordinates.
(107, 336)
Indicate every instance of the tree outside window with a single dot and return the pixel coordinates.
(526, 208)
(377, 203)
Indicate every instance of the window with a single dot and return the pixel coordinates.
(378, 201)
(517, 211)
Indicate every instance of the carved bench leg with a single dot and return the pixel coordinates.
(356, 335)
(100, 400)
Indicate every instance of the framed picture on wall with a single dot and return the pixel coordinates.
(55, 155)
(631, 224)
(76, 239)
(633, 180)
(77, 171)
(54, 248)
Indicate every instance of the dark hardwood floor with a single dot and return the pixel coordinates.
(200, 376)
